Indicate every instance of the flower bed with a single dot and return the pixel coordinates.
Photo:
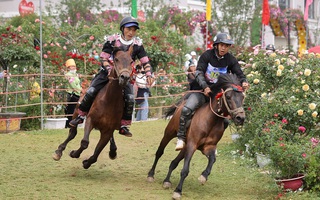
(282, 113)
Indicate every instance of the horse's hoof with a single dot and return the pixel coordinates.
(150, 179)
(202, 179)
(112, 156)
(166, 185)
(56, 157)
(86, 164)
(176, 196)
(72, 154)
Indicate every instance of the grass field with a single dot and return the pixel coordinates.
(27, 170)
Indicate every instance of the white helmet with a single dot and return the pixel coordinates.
(193, 53)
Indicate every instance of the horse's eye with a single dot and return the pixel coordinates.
(116, 59)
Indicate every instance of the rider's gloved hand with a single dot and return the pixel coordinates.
(206, 91)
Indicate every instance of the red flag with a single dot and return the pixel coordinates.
(306, 11)
(265, 12)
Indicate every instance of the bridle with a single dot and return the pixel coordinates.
(222, 96)
(119, 72)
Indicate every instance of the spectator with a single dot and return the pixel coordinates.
(143, 94)
(3, 74)
(194, 58)
(187, 62)
(271, 47)
(191, 76)
(73, 89)
(35, 88)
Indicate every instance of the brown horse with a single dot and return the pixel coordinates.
(106, 111)
(205, 130)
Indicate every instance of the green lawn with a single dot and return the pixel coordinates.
(29, 172)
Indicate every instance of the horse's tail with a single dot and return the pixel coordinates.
(170, 111)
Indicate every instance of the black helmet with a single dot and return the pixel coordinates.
(223, 38)
(129, 22)
(270, 47)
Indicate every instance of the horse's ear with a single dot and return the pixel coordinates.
(130, 49)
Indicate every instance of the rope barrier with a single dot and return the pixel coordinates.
(23, 92)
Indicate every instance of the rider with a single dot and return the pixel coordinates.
(211, 63)
(128, 28)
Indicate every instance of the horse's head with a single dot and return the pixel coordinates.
(123, 64)
(229, 93)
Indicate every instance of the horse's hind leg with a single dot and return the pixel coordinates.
(104, 139)
(113, 149)
(164, 142)
(58, 153)
(84, 142)
(211, 160)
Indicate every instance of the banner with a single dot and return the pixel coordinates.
(306, 11)
(134, 9)
(265, 12)
(208, 11)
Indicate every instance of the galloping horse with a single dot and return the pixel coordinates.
(205, 130)
(106, 111)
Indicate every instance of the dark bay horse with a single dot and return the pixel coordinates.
(106, 111)
(205, 130)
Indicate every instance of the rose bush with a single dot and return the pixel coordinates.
(282, 111)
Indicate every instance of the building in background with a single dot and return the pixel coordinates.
(297, 38)
(9, 8)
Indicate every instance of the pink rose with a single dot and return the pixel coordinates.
(302, 129)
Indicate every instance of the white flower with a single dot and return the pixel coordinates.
(314, 114)
(307, 72)
(279, 72)
(305, 87)
(312, 106)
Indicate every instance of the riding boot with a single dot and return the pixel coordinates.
(82, 110)
(181, 133)
(127, 112)
(124, 129)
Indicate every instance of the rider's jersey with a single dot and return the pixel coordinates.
(117, 41)
(210, 66)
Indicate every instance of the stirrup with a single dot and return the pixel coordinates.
(180, 145)
(125, 131)
(75, 122)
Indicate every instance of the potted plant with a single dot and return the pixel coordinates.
(288, 161)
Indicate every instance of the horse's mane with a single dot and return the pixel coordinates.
(224, 81)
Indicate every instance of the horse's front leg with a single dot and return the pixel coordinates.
(113, 149)
(190, 149)
(164, 142)
(104, 139)
(173, 165)
(84, 142)
(58, 153)
(211, 155)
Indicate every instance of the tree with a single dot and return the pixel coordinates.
(73, 11)
(234, 17)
